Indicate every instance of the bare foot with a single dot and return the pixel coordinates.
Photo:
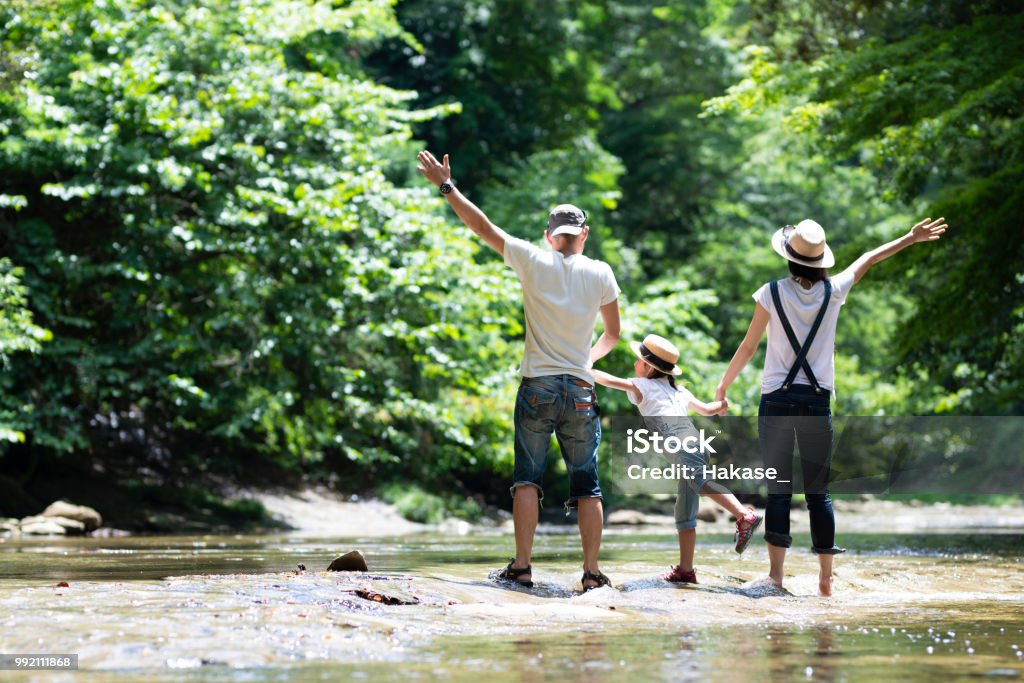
(825, 586)
(775, 582)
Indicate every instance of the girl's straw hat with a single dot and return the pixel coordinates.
(803, 243)
(659, 353)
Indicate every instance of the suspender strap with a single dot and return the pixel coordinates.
(801, 351)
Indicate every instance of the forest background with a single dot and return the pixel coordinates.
(218, 264)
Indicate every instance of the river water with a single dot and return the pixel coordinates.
(909, 607)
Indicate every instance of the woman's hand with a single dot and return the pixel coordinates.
(725, 406)
(928, 230)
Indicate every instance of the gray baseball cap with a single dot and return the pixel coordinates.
(566, 219)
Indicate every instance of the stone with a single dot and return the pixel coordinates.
(44, 528)
(352, 561)
(10, 524)
(71, 526)
(707, 515)
(626, 517)
(86, 515)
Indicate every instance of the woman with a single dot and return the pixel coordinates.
(800, 313)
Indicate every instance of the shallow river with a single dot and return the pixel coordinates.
(907, 607)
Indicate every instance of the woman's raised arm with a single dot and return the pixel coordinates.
(925, 231)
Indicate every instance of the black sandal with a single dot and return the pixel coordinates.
(601, 579)
(511, 573)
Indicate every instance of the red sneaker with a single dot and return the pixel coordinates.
(677, 575)
(745, 529)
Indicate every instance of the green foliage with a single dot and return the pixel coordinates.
(418, 505)
(214, 209)
(663, 66)
(928, 100)
(523, 71)
(209, 231)
(17, 333)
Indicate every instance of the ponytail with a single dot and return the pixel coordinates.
(658, 374)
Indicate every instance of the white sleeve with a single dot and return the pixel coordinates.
(687, 397)
(763, 296)
(632, 396)
(841, 285)
(611, 287)
(519, 255)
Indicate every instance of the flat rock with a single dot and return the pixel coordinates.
(626, 517)
(45, 528)
(70, 526)
(90, 519)
(352, 561)
(707, 515)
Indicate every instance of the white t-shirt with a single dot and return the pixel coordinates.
(562, 296)
(801, 307)
(660, 399)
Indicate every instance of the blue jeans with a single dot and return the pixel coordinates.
(565, 406)
(688, 489)
(803, 415)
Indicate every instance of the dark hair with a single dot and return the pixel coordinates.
(658, 374)
(807, 272)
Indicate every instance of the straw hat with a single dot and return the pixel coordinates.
(803, 244)
(659, 353)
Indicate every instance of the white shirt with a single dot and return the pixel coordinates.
(562, 296)
(801, 307)
(660, 399)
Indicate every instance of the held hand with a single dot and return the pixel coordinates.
(432, 169)
(725, 406)
(720, 393)
(928, 230)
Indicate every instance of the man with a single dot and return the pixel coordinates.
(563, 291)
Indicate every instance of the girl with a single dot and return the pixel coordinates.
(655, 393)
(800, 313)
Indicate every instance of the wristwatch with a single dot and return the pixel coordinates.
(447, 186)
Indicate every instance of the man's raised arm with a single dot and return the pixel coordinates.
(441, 174)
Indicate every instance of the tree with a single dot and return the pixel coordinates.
(928, 99)
(208, 227)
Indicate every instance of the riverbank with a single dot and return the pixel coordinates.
(319, 511)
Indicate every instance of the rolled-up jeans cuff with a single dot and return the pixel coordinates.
(686, 525)
(540, 490)
(834, 550)
(778, 540)
(574, 502)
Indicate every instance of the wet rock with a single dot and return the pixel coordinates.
(626, 517)
(72, 527)
(352, 561)
(90, 519)
(385, 599)
(41, 528)
(707, 515)
(10, 524)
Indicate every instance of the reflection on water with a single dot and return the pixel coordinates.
(158, 608)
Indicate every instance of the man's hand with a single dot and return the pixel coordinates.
(475, 219)
(432, 169)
